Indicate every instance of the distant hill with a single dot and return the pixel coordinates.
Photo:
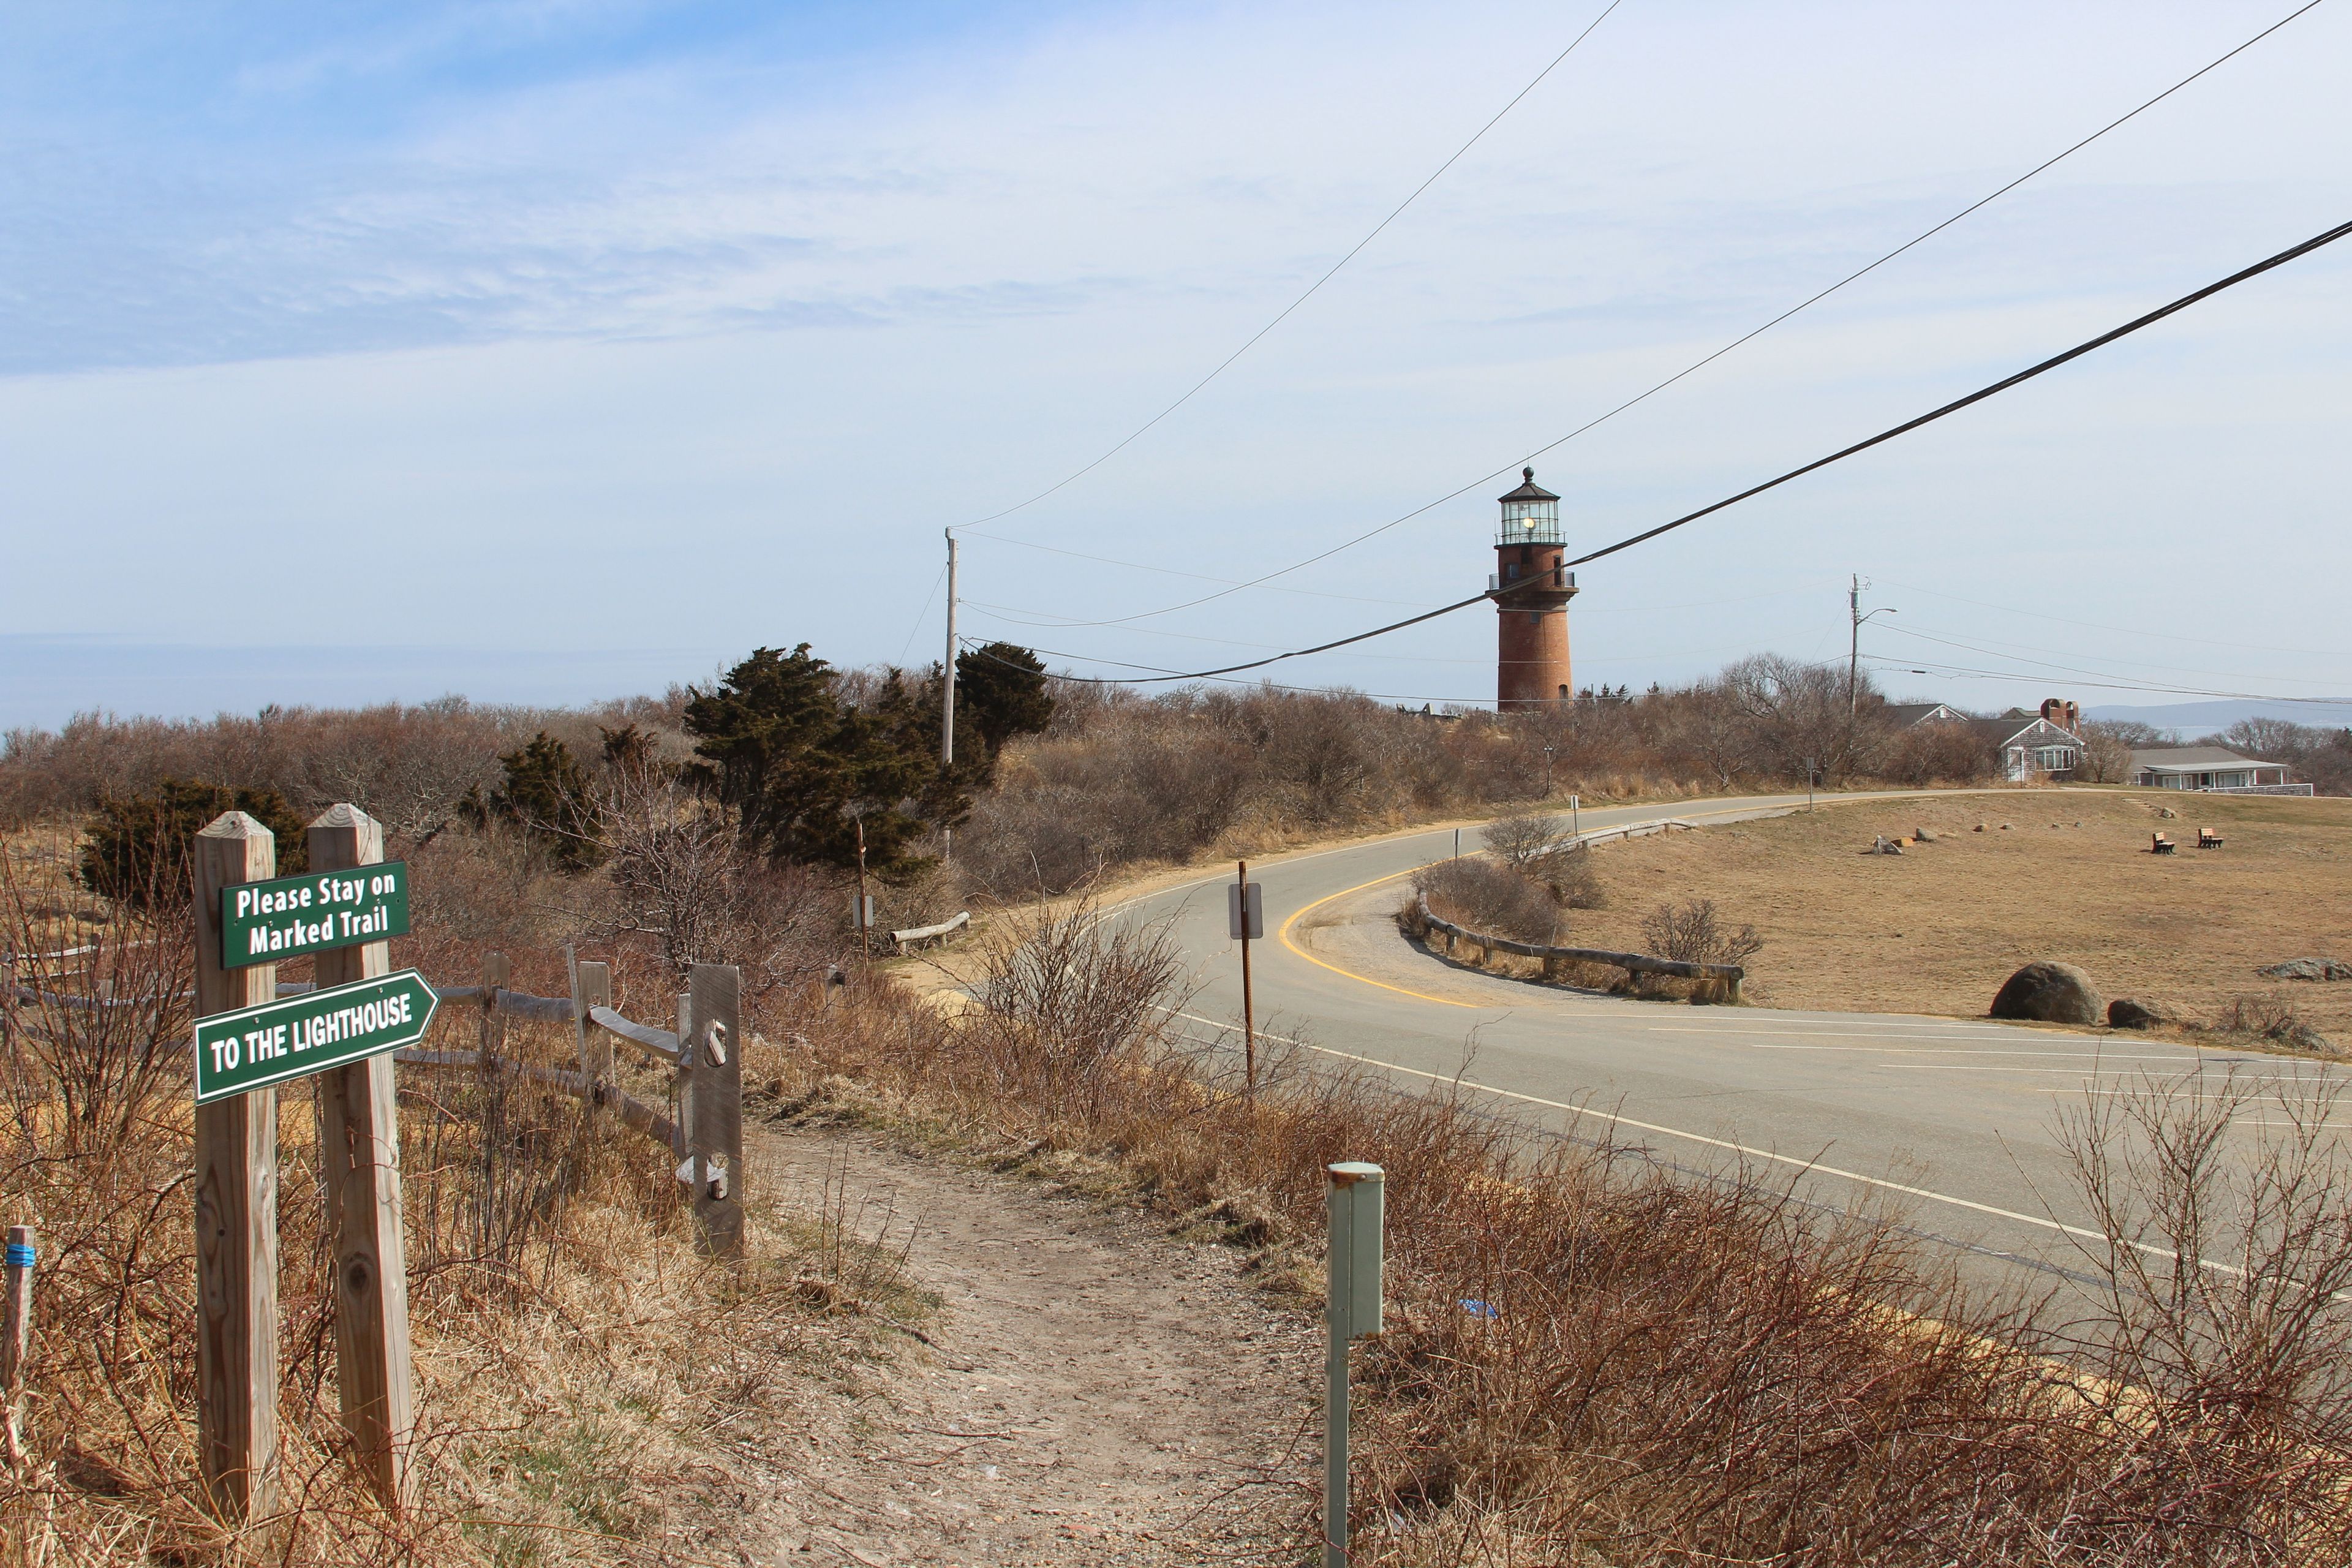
(2207, 717)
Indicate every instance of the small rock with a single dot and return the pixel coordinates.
(1979, 828)
(2309, 969)
(1923, 835)
(2004, 827)
(2046, 992)
(2166, 811)
(2134, 1013)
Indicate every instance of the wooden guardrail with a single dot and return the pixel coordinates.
(1727, 975)
(941, 932)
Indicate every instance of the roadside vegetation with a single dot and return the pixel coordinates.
(1593, 1357)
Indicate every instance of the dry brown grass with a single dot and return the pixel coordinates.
(1938, 929)
(578, 1364)
(1665, 1369)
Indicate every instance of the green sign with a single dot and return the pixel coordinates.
(254, 1048)
(262, 922)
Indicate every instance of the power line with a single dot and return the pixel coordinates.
(1132, 436)
(2018, 652)
(1964, 671)
(2325, 238)
(1701, 363)
(2102, 626)
(2329, 237)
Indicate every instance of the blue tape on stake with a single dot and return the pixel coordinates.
(20, 1255)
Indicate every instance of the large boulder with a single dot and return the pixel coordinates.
(2049, 994)
(2309, 969)
(2139, 1013)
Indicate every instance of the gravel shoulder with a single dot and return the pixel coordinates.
(1090, 1389)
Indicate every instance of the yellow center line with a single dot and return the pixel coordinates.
(1283, 935)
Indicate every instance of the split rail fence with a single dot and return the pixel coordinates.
(707, 1136)
(1726, 976)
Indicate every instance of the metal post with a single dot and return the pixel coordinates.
(1457, 843)
(1352, 1304)
(947, 705)
(1811, 764)
(1249, 1012)
(864, 936)
(1575, 820)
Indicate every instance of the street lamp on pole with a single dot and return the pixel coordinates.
(1853, 653)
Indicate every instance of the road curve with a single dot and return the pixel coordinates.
(1954, 1119)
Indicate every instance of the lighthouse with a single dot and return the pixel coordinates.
(1531, 591)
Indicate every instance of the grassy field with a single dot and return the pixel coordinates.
(2062, 874)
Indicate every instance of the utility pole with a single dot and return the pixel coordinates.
(1853, 649)
(1249, 1009)
(946, 708)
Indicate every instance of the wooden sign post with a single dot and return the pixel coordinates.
(237, 1207)
(342, 1032)
(359, 1147)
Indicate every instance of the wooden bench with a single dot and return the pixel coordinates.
(2207, 840)
(2159, 845)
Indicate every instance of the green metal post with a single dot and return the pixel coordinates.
(1352, 1307)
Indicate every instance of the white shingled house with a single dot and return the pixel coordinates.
(2211, 769)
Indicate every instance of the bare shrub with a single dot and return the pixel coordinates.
(1476, 892)
(1525, 839)
(681, 873)
(2222, 1337)
(2271, 1019)
(1941, 753)
(1693, 933)
(1068, 996)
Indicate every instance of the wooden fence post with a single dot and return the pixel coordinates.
(715, 1142)
(496, 971)
(15, 1342)
(359, 1146)
(592, 986)
(237, 1207)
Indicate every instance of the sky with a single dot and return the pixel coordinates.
(551, 350)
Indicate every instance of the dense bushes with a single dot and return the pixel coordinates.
(137, 846)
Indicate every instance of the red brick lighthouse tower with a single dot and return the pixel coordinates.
(1531, 593)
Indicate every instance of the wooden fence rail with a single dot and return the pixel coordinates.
(705, 1138)
(1728, 975)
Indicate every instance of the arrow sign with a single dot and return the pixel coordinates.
(254, 1048)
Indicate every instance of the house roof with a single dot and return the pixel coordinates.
(2193, 759)
(1902, 715)
(2011, 727)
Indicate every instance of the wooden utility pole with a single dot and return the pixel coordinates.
(237, 1208)
(948, 668)
(359, 1148)
(1249, 1008)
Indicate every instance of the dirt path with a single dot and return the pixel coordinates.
(1094, 1392)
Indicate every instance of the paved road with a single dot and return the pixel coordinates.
(1955, 1119)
